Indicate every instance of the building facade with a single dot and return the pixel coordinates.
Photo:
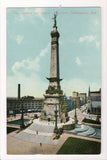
(79, 98)
(94, 102)
(29, 105)
(75, 94)
(83, 98)
(75, 101)
(68, 102)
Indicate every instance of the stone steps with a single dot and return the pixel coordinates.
(41, 128)
(97, 134)
(83, 130)
(89, 132)
(80, 129)
(43, 136)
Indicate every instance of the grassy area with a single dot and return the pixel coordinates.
(10, 129)
(91, 121)
(79, 146)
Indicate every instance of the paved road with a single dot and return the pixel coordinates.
(81, 114)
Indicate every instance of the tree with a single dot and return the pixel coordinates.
(64, 109)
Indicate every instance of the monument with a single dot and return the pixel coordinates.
(54, 94)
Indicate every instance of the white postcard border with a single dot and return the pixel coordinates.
(51, 3)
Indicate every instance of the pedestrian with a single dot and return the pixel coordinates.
(40, 144)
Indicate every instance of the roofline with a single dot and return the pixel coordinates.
(95, 92)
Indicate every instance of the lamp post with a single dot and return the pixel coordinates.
(22, 114)
(75, 116)
(56, 128)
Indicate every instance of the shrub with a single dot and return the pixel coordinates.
(60, 131)
(53, 90)
(91, 121)
(35, 116)
(57, 136)
(48, 119)
(56, 130)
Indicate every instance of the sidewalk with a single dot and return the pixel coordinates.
(16, 146)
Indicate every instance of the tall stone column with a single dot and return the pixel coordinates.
(54, 63)
(53, 93)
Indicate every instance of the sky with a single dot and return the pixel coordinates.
(29, 49)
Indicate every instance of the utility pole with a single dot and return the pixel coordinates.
(75, 116)
(22, 114)
(56, 128)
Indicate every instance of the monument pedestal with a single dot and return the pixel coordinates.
(51, 104)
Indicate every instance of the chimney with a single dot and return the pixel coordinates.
(18, 91)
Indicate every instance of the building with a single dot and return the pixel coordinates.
(80, 98)
(68, 103)
(94, 102)
(95, 95)
(75, 100)
(30, 104)
(53, 95)
(83, 98)
(75, 94)
(12, 106)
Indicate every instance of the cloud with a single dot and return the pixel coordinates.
(88, 38)
(25, 13)
(27, 64)
(44, 51)
(39, 13)
(97, 44)
(60, 42)
(18, 17)
(95, 25)
(19, 39)
(21, 18)
(78, 61)
(96, 22)
(30, 64)
(31, 85)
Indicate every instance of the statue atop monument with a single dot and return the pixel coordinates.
(55, 15)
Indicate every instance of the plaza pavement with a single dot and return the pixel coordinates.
(38, 132)
(16, 146)
(28, 141)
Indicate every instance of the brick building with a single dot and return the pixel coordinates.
(94, 102)
(30, 104)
